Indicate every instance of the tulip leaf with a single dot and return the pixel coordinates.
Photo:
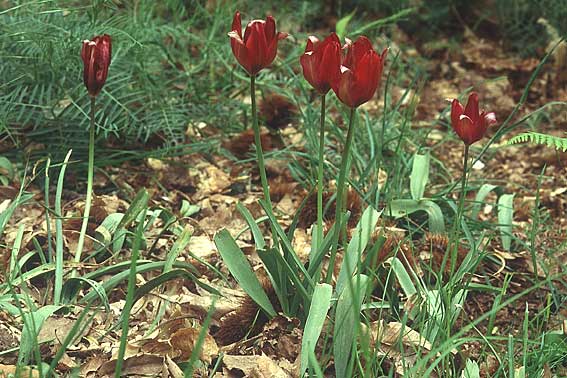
(6, 171)
(357, 245)
(472, 370)
(347, 318)
(33, 321)
(403, 277)
(505, 218)
(419, 175)
(317, 314)
(484, 190)
(342, 24)
(403, 207)
(237, 264)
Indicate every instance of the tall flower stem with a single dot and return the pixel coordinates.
(90, 174)
(454, 239)
(258, 141)
(259, 152)
(463, 184)
(320, 174)
(339, 202)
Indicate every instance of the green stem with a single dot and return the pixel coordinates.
(463, 182)
(454, 237)
(89, 186)
(461, 207)
(341, 190)
(258, 142)
(260, 153)
(320, 174)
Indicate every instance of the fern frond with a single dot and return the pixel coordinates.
(538, 138)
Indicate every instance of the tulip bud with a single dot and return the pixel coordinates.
(360, 73)
(469, 123)
(96, 59)
(321, 62)
(258, 47)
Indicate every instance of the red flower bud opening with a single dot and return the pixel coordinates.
(360, 73)
(258, 47)
(469, 123)
(96, 59)
(321, 62)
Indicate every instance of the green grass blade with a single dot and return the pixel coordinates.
(238, 265)
(75, 330)
(256, 232)
(58, 286)
(200, 340)
(129, 295)
(138, 204)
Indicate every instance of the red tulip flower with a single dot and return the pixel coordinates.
(96, 59)
(360, 73)
(321, 62)
(257, 49)
(469, 123)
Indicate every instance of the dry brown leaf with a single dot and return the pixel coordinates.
(184, 341)
(140, 365)
(302, 244)
(202, 246)
(173, 369)
(391, 333)
(9, 371)
(56, 328)
(93, 364)
(211, 179)
(255, 366)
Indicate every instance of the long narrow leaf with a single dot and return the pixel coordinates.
(419, 175)
(346, 324)
(505, 219)
(357, 245)
(59, 233)
(314, 324)
(238, 265)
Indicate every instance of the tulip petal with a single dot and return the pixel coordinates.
(321, 62)
(356, 51)
(489, 118)
(466, 130)
(472, 109)
(312, 41)
(237, 24)
(255, 46)
(345, 88)
(456, 111)
(367, 76)
(270, 29)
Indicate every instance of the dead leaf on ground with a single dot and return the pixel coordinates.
(140, 365)
(9, 371)
(255, 366)
(184, 341)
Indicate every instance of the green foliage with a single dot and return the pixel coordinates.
(164, 76)
(516, 21)
(538, 138)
